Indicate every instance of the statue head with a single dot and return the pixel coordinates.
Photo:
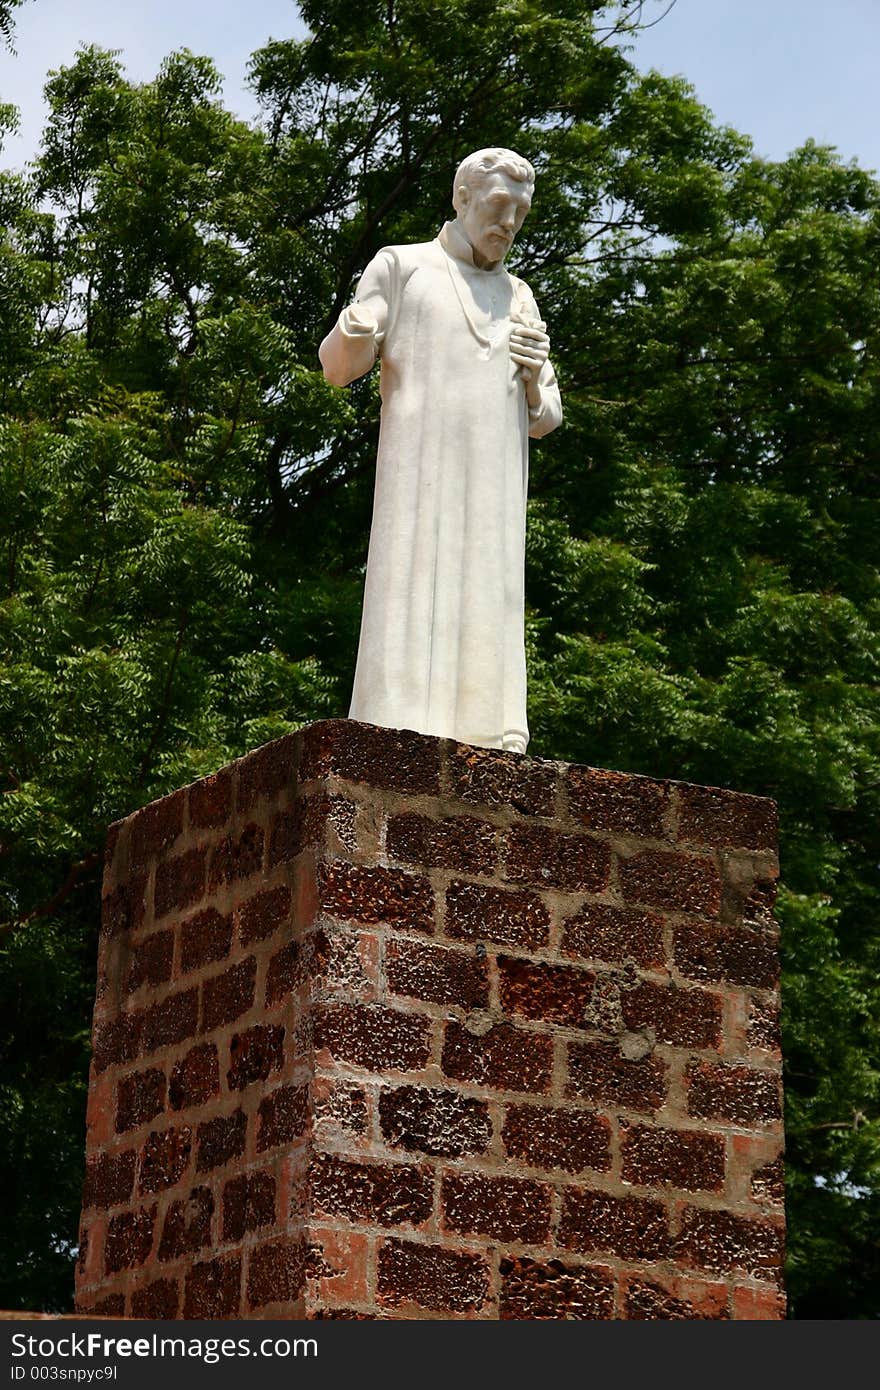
(491, 194)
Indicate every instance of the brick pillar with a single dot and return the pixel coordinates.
(393, 1027)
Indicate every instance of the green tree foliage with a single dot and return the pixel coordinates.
(184, 503)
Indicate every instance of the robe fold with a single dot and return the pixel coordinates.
(442, 646)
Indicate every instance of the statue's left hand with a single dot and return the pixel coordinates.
(529, 348)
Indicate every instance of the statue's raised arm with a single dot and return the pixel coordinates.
(466, 379)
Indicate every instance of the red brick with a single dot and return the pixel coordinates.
(726, 1243)
(768, 1183)
(164, 1159)
(571, 1140)
(616, 934)
(339, 1109)
(485, 777)
(248, 1204)
(396, 759)
(504, 1208)
(456, 842)
(284, 1114)
(276, 1272)
(634, 1228)
(236, 858)
(432, 1121)
(129, 1239)
(124, 909)
(259, 916)
(710, 816)
(617, 801)
(539, 1290)
(390, 896)
(109, 1179)
(267, 771)
(763, 1027)
(342, 961)
(187, 1225)
(737, 954)
(286, 971)
(758, 1305)
(151, 961)
(155, 827)
(385, 1194)
(599, 1073)
(204, 937)
(172, 1021)
(573, 863)
(220, 1140)
(210, 800)
(477, 912)
(372, 1036)
(195, 1078)
(672, 1158)
(226, 997)
(553, 993)
(673, 1300)
(159, 1301)
(140, 1096)
(678, 882)
(117, 1041)
(503, 1058)
(758, 898)
(437, 973)
(432, 1277)
(180, 881)
(291, 831)
(213, 1288)
(254, 1055)
(337, 1268)
(737, 1095)
(682, 1017)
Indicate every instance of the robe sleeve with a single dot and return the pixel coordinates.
(351, 348)
(548, 413)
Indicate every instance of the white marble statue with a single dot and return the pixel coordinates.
(465, 381)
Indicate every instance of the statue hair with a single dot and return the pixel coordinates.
(477, 166)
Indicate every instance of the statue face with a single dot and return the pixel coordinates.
(492, 213)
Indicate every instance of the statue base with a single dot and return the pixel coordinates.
(392, 1027)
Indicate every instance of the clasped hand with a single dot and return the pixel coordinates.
(529, 348)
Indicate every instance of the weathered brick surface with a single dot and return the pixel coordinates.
(554, 993)
(570, 1139)
(600, 932)
(503, 1058)
(456, 842)
(437, 974)
(600, 1072)
(678, 882)
(635, 1228)
(504, 1208)
(673, 1300)
(740, 1095)
(574, 863)
(430, 1121)
(389, 1027)
(204, 937)
(672, 1158)
(614, 801)
(539, 1290)
(432, 1276)
(476, 912)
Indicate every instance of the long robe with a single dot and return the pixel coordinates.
(442, 634)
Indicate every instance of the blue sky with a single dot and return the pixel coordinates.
(780, 70)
